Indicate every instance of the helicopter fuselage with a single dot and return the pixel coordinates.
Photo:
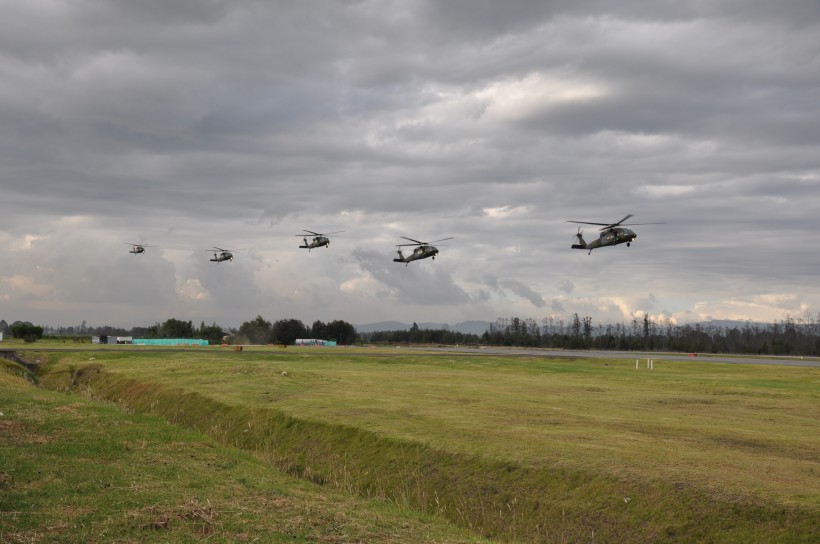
(137, 250)
(222, 256)
(318, 241)
(609, 237)
(421, 252)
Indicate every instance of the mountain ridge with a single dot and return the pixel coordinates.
(464, 327)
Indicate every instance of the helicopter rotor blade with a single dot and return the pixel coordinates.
(589, 223)
(326, 234)
(621, 221)
(416, 241)
(605, 225)
(441, 240)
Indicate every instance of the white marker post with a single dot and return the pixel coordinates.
(637, 362)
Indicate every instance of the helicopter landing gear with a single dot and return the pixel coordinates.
(628, 244)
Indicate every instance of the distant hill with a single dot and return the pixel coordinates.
(471, 327)
(382, 326)
(465, 327)
(732, 324)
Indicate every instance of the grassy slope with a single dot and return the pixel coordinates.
(679, 447)
(76, 470)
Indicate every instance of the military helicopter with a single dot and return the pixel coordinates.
(319, 239)
(612, 234)
(422, 250)
(136, 249)
(222, 254)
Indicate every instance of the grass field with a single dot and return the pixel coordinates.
(77, 470)
(522, 449)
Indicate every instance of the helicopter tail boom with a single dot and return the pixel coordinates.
(582, 244)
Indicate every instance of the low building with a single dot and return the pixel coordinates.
(169, 342)
(103, 339)
(314, 342)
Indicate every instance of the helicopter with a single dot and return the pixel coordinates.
(319, 239)
(422, 250)
(612, 234)
(136, 249)
(222, 254)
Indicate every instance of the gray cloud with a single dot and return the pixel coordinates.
(525, 292)
(187, 124)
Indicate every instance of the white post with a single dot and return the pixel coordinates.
(651, 364)
(637, 361)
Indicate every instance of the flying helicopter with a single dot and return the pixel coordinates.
(319, 239)
(612, 234)
(222, 254)
(422, 250)
(136, 249)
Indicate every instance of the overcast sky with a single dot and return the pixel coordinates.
(188, 124)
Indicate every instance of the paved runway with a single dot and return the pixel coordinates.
(642, 355)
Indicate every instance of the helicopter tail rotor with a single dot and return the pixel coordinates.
(581, 242)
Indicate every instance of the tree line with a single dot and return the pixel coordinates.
(22, 329)
(255, 331)
(415, 335)
(788, 336)
(287, 331)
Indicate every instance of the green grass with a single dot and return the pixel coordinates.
(517, 448)
(78, 470)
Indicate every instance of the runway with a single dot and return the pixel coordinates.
(642, 355)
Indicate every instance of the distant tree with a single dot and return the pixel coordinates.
(286, 331)
(172, 328)
(587, 324)
(4, 327)
(342, 332)
(414, 334)
(258, 331)
(319, 330)
(153, 331)
(26, 331)
(212, 333)
(647, 326)
(576, 326)
(175, 328)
